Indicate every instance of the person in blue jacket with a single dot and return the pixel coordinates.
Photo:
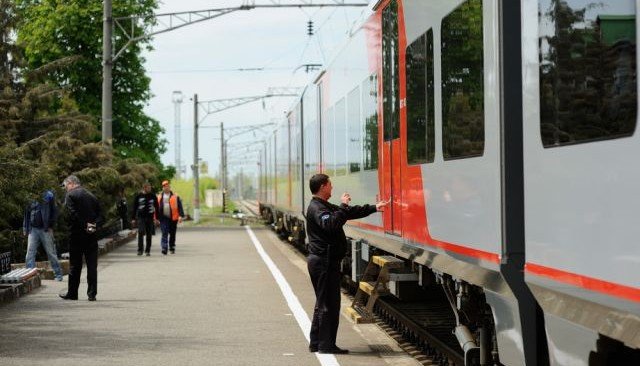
(39, 218)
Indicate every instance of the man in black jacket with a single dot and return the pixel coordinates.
(327, 247)
(85, 217)
(144, 211)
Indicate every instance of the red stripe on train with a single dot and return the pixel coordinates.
(459, 249)
(589, 283)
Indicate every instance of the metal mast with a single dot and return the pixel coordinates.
(177, 101)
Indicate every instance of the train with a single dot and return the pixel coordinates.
(503, 133)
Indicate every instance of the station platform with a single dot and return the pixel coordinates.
(229, 296)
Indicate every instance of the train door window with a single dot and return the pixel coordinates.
(420, 104)
(463, 82)
(370, 126)
(354, 138)
(340, 136)
(390, 94)
(588, 81)
(328, 151)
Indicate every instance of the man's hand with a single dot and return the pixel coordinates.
(179, 220)
(382, 204)
(133, 223)
(346, 198)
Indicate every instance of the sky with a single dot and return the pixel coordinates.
(203, 59)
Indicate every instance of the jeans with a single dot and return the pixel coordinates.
(38, 236)
(168, 228)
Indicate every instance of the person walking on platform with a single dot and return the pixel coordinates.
(145, 208)
(170, 214)
(85, 216)
(39, 219)
(327, 247)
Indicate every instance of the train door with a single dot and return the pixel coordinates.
(391, 148)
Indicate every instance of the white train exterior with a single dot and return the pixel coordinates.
(504, 134)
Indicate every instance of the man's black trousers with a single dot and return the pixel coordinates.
(325, 277)
(83, 244)
(145, 228)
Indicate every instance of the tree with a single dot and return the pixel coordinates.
(44, 137)
(58, 29)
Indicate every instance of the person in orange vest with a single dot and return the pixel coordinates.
(169, 214)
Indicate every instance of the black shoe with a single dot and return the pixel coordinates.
(67, 297)
(334, 351)
(313, 348)
(140, 252)
(148, 254)
(173, 251)
(164, 252)
(92, 298)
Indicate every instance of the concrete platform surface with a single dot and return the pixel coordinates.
(215, 302)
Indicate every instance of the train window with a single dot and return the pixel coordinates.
(588, 88)
(463, 82)
(370, 114)
(354, 134)
(340, 136)
(328, 152)
(420, 115)
(390, 93)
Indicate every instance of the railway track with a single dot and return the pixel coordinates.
(423, 329)
(251, 207)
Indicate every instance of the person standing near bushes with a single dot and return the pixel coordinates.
(85, 217)
(39, 219)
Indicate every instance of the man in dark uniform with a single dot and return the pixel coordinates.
(144, 211)
(327, 247)
(85, 217)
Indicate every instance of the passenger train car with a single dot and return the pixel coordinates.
(503, 133)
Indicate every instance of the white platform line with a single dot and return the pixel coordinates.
(292, 300)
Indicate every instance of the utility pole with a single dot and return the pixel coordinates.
(195, 167)
(222, 167)
(107, 77)
(177, 101)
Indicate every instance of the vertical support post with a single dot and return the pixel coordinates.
(222, 167)
(195, 167)
(107, 69)
(513, 257)
(177, 101)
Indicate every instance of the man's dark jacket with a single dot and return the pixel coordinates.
(145, 206)
(324, 226)
(83, 208)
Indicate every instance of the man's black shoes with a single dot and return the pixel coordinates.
(334, 351)
(164, 252)
(92, 298)
(140, 252)
(313, 348)
(67, 297)
(173, 251)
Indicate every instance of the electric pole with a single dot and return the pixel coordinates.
(177, 101)
(107, 78)
(195, 167)
(222, 167)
